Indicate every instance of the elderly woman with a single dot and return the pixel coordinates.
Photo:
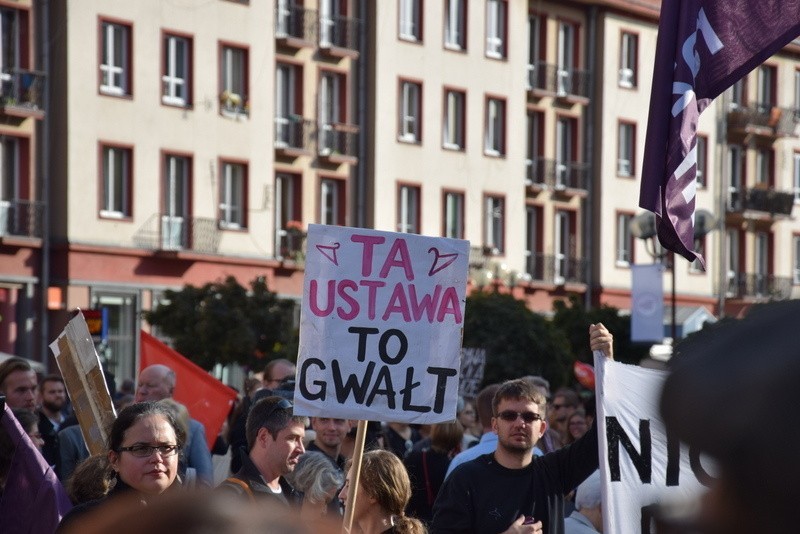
(143, 448)
(319, 479)
(382, 495)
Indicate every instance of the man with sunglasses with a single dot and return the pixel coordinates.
(274, 444)
(508, 490)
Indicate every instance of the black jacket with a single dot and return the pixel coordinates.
(257, 488)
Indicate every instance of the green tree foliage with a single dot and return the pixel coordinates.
(518, 342)
(223, 322)
(573, 320)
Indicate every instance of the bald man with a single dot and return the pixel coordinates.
(157, 382)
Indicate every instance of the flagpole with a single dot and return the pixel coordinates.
(355, 469)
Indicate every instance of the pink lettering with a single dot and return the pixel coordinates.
(312, 299)
(426, 305)
(450, 306)
(398, 257)
(369, 243)
(372, 288)
(397, 304)
(349, 299)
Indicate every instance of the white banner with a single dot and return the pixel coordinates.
(647, 302)
(640, 466)
(380, 325)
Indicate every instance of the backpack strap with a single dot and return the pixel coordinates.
(242, 484)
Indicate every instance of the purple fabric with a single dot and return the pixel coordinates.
(703, 47)
(33, 501)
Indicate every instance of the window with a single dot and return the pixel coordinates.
(288, 106)
(494, 223)
(232, 195)
(797, 94)
(699, 248)
(766, 87)
(408, 206)
(565, 57)
(764, 167)
(233, 81)
(625, 240)
(11, 21)
(332, 202)
(625, 149)
(331, 111)
(455, 24)
(116, 194)
(628, 50)
(702, 160)
(495, 124)
(564, 246)
(288, 216)
(453, 215)
(410, 112)
(115, 62)
(176, 195)
(536, 51)
(534, 148)
(736, 164)
(739, 93)
(15, 217)
(123, 316)
(796, 180)
(534, 260)
(411, 20)
(796, 259)
(176, 78)
(496, 23)
(453, 134)
(732, 245)
(566, 128)
(762, 262)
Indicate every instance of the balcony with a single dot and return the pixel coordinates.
(763, 120)
(337, 143)
(295, 26)
(545, 79)
(21, 218)
(294, 136)
(564, 177)
(22, 93)
(761, 200)
(175, 234)
(556, 269)
(338, 36)
(758, 286)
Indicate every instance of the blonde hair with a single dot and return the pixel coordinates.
(385, 479)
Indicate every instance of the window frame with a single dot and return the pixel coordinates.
(460, 109)
(339, 113)
(408, 116)
(534, 241)
(408, 218)
(496, 41)
(626, 146)
(765, 167)
(244, 97)
(339, 188)
(796, 176)
(494, 226)
(494, 138)
(701, 173)
(125, 71)
(534, 143)
(227, 206)
(795, 259)
(460, 213)
(287, 206)
(628, 75)
(105, 211)
(410, 30)
(625, 255)
(459, 43)
(169, 78)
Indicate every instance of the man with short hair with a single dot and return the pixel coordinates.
(488, 441)
(52, 398)
(18, 383)
(274, 445)
(277, 371)
(509, 490)
(157, 382)
(330, 433)
(565, 403)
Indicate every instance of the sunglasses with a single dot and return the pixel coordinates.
(282, 405)
(511, 416)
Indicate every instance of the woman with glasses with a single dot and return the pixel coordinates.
(143, 448)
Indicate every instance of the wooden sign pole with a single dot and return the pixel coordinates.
(355, 477)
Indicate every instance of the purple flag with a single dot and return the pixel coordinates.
(33, 501)
(703, 47)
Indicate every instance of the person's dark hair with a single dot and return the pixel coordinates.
(129, 415)
(483, 404)
(27, 419)
(385, 479)
(91, 480)
(266, 413)
(274, 363)
(12, 365)
(518, 389)
(569, 395)
(51, 378)
(446, 436)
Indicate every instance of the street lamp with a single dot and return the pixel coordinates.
(643, 227)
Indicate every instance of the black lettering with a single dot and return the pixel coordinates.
(406, 392)
(616, 436)
(386, 377)
(362, 332)
(343, 389)
(702, 475)
(442, 374)
(673, 460)
(320, 395)
(401, 352)
(649, 513)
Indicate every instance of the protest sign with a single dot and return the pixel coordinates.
(380, 325)
(473, 362)
(83, 376)
(640, 464)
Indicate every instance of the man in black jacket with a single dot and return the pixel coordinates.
(509, 490)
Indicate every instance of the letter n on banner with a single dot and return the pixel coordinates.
(647, 302)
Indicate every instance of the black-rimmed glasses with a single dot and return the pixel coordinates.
(145, 451)
(511, 416)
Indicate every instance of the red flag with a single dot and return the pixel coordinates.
(33, 500)
(207, 399)
(703, 47)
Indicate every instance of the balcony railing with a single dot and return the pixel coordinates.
(295, 22)
(761, 199)
(556, 269)
(22, 92)
(175, 233)
(762, 286)
(764, 119)
(557, 175)
(338, 32)
(562, 82)
(337, 140)
(294, 133)
(22, 218)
